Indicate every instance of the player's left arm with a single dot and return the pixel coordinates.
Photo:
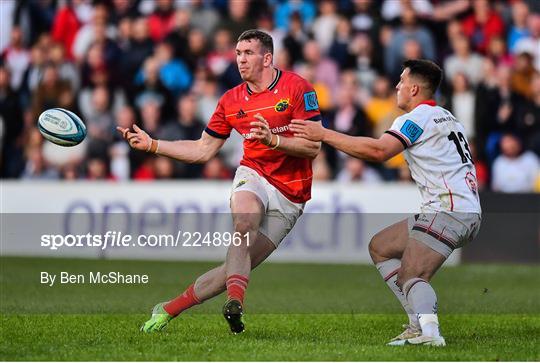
(366, 148)
(294, 146)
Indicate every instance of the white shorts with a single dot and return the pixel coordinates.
(443, 232)
(281, 213)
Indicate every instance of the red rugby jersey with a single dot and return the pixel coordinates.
(288, 97)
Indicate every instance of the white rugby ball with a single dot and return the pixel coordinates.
(61, 127)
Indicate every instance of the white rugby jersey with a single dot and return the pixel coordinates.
(439, 158)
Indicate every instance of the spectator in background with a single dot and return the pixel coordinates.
(380, 107)
(295, 38)
(515, 170)
(238, 18)
(11, 115)
(522, 74)
(197, 50)
(66, 70)
(139, 48)
(186, 126)
(348, 117)
(99, 116)
(393, 9)
(33, 75)
(265, 22)
(216, 169)
(207, 96)
(482, 25)
(163, 168)
(203, 17)
(462, 103)
(409, 30)
(16, 57)
(499, 110)
(282, 60)
(497, 51)
(151, 116)
(65, 27)
(124, 33)
(325, 69)
(325, 24)
(97, 169)
(119, 151)
(340, 48)
(528, 118)
(178, 36)
(122, 9)
(366, 18)
(464, 61)
(37, 168)
(531, 43)
(357, 170)
(518, 30)
(366, 69)
(96, 30)
(305, 10)
(161, 21)
(51, 92)
(222, 61)
(150, 87)
(173, 73)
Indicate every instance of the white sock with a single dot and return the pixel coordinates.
(422, 299)
(388, 270)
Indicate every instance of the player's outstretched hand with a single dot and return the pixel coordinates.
(261, 130)
(310, 130)
(137, 139)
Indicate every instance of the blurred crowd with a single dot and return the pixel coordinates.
(163, 64)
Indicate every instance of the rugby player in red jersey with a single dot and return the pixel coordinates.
(272, 183)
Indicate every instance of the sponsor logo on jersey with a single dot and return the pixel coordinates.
(310, 101)
(241, 114)
(240, 183)
(282, 105)
(411, 130)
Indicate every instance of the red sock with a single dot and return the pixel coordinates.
(236, 287)
(182, 302)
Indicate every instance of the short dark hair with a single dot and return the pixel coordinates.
(267, 44)
(426, 70)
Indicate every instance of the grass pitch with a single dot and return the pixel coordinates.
(294, 312)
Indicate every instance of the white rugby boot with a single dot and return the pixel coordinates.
(421, 340)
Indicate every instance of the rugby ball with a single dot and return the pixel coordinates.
(61, 127)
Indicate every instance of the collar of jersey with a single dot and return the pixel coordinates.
(271, 86)
(428, 102)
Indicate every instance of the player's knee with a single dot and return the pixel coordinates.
(406, 274)
(376, 249)
(245, 225)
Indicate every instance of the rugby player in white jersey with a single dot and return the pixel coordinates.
(408, 253)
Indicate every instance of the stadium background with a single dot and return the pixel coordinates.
(163, 65)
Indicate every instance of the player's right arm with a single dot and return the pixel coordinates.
(360, 147)
(187, 151)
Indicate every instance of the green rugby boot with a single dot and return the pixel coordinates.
(158, 321)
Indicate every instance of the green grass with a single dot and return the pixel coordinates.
(294, 312)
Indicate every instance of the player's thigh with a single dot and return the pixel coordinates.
(433, 237)
(247, 211)
(390, 242)
(419, 260)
